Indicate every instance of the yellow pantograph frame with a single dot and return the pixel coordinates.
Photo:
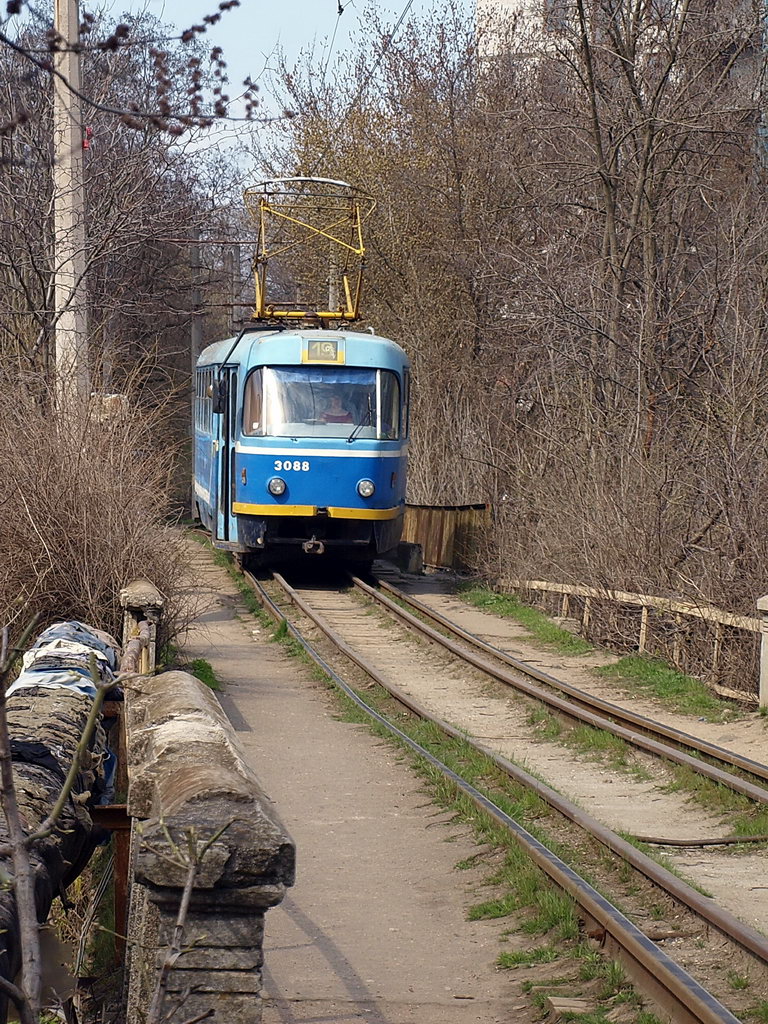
(337, 199)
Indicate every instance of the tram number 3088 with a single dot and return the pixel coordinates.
(291, 465)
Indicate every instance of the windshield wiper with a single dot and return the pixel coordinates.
(365, 422)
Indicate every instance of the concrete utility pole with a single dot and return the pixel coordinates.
(72, 383)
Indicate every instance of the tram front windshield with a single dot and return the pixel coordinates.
(322, 402)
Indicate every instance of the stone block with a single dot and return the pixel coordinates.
(158, 869)
(561, 1006)
(189, 781)
(219, 958)
(213, 931)
(221, 901)
(410, 557)
(229, 982)
(141, 594)
(229, 1009)
(251, 850)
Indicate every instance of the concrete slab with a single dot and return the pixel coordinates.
(375, 928)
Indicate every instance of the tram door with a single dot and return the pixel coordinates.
(226, 462)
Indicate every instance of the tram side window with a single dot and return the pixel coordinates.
(208, 402)
(390, 406)
(253, 405)
(203, 404)
(199, 396)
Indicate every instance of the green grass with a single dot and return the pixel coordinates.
(591, 962)
(744, 816)
(598, 1017)
(600, 745)
(538, 625)
(546, 725)
(526, 957)
(468, 862)
(614, 980)
(759, 1012)
(637, 672)
(596, 744)
(172, 658)
(548, 983)
(678, 691)
(203, 670)
(738, 981)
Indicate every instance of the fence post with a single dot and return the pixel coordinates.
(141, 602)
(643, 639)
(762, 608)
(676, 642)
(191, 785)
(716, 649)
(586, 615)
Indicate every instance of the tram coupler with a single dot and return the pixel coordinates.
(313, 547)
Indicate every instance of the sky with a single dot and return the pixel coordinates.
(249, 34)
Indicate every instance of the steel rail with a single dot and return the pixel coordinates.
(587, 700)
(649, 966)
(746, 788)
(745, 936)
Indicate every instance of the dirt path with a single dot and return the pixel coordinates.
(375, 928)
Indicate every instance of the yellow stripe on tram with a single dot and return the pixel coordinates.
(364, 513)
(242, 508)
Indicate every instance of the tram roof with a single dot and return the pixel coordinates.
(258, 347)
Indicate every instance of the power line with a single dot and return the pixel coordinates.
(358, 95)
(339, 12)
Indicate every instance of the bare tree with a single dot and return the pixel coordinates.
(568, 243)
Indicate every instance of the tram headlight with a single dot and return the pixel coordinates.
(276, 486)
(366, 488)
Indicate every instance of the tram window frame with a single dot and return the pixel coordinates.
(232, 395)
(249, 405)
(406, 404)
(201, 407)
(384, 381)
(203, 404)
(388, 382)
(208, 403)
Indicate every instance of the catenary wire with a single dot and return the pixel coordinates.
(366, 81)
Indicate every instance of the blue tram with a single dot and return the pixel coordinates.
(301, 438)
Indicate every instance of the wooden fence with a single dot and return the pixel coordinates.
(727, 651)
(449, 535)
(704, 641)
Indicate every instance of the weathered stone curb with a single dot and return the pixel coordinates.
(188, 778)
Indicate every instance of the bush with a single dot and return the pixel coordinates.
(84, 509)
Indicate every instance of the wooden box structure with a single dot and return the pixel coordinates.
(449, 535)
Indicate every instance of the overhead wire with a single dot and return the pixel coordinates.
(366, 81)
(340, 10)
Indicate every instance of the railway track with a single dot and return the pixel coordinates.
(655, 973)
(637, 730)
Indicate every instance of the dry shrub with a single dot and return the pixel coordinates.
(84, 510)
